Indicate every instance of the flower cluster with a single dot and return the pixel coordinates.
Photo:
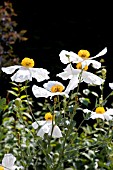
(58, 129)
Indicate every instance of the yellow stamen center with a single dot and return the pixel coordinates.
(48, 116)
(27, 62)
(100, 110)
(79, 66)
(1, 168)
(84, 54)
(57, 88)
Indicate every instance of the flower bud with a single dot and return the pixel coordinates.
(103, 71)
(18, 101)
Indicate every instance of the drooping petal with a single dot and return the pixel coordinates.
(10, 69)
(73, 83)
(91, 78)
(56, 132)
(22, 75)
(8, 161)
(40, 74)
(44, 129)
(40, 92)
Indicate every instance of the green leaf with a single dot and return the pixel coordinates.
(15, 88)
(13, 93)
(23, 88)
(24, 96)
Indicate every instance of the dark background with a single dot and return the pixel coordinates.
(72, 26)
(52, 27)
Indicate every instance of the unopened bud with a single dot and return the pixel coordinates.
(103, 71)
(18, 101)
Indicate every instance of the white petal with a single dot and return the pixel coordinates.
(108, 117)
(44, 129)
(104, 51)
(95, 116)
(109, 111)
(65, 75)
(95, 64)
(8, 160)
(73, 83)
(34, 125)
(10, 69)
(75, 58)
(63, 58)
(41, 133)
(111, 85)
(40, 74)
(91, 78)
(40, 92)
(87, 111)
(22, 75)
(42, 122)
(56, 132)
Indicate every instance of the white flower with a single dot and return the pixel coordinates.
(8, 162)
(100, 113)
(26, 72)
(46, 127)
(51, 88)
(111, 85)
(68, 57)
(73, 74)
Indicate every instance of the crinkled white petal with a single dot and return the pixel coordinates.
(8, 161)
(56, 132)
(10, 69)
(95, 64)
(73, 83)
(40, 74)
(40, 92)
(49, 84)
(109, 111)
(45, 128)
(22, 75)
(111, 85)
(91, 78)
(67, 57)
